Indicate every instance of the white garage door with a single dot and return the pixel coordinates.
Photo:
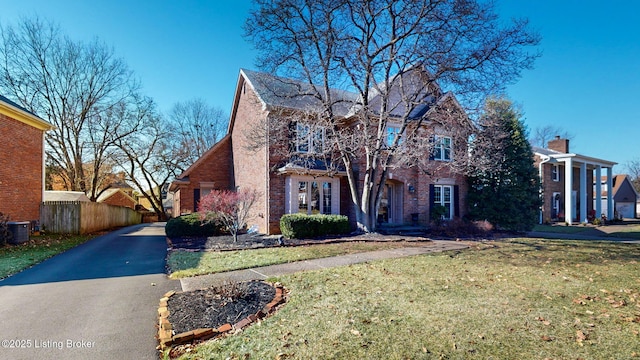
(625, 209)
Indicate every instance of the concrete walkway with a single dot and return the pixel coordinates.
(261, 273)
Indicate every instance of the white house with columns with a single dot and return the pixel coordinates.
(567, 184)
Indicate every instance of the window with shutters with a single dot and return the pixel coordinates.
(443, 196)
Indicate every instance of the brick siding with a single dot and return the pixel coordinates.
(21, 153)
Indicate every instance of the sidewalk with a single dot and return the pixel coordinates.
(262, 273)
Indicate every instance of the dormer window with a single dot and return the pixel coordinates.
(308, 139)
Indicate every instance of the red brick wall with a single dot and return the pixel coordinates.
(21, 153)
(250, 166)
(418, 200)
(215, 167)
(120, 199)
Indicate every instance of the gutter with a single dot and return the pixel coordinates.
(545, 159)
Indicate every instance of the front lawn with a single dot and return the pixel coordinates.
(15, 258)
(562, 229)
(189, 263)
(513, 299)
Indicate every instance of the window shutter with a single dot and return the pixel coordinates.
(432, 151)
(456, 201)
(196, 199)
(293, 133)
(431, 198)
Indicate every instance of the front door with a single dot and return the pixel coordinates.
(390, 210)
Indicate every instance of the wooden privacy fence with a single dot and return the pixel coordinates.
(81, 217)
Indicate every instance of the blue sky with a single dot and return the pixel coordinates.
(586, 82)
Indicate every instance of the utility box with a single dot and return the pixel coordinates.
(19, 231)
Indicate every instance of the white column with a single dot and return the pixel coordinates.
(598, 196)
(610, 209)
(568, 189)
(583, 193)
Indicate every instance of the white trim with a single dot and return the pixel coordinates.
(438, 145)
(555, 172)
(452, 200)
(291, 185)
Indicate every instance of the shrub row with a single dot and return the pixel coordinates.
(297, 226)
(191, 225)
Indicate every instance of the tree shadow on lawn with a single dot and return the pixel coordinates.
(538, 252)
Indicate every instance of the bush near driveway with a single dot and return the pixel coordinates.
(191, 225)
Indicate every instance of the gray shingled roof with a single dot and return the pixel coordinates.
(407, 89)
(277, 91)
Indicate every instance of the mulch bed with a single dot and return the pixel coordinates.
(216, 306)
(256, 241)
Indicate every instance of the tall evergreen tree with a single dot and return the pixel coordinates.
(507, 195)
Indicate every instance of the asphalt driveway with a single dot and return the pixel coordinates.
(96, 301)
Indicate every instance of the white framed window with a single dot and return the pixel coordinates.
(309, 195)
(443, 195)
(442, 148)
(308, 139)
(392, 132)
(555, 172)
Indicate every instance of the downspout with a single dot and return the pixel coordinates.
(545, 160)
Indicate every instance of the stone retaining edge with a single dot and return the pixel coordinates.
(167, 338)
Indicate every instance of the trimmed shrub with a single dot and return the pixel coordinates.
(191, 225)
(298, 226)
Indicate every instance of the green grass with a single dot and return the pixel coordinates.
(628, 232)
(517, 299)
(188, 263)
(561, 229)
(15, 258)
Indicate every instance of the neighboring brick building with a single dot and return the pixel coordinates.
(236, 162)
(567, 184)
(117, 197)
(21, 161)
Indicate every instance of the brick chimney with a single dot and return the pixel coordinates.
(559, 144)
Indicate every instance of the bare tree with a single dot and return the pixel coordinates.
(76, 86)
(542, 135)
(393, 56)
(633, 169)
(197, 126)
(150, 156)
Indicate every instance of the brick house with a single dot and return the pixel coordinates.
(409, 194)
(21, 181)
(117, 197)
(567, 184)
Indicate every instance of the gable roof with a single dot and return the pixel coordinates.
(275, 91)
(618, 181)
(184, 176)
(112, 191)
(17, 112)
